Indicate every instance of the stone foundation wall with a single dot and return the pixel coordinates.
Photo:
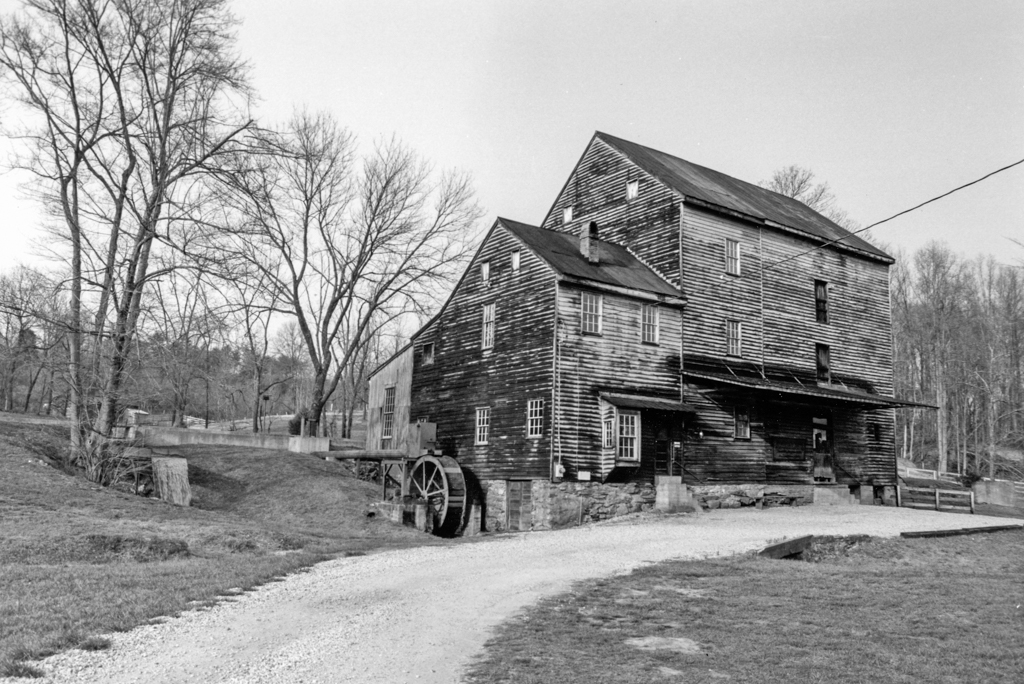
(737, 496)
(567, 504)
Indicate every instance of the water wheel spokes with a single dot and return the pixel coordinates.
(439, 481)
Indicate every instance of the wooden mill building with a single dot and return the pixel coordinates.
(662, 319)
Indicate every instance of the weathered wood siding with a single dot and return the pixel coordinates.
(714, 296)
(396, 373)
(596, 190)
(615, 361)
(776, 306)
(859, 330)
(464, 377)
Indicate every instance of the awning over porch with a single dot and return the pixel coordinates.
(794, 389)
(639, 401)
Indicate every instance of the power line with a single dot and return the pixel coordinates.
(861, 230)
(905, 211)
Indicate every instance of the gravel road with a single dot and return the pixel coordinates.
(420, 615)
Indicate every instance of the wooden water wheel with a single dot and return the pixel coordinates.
(439, 481)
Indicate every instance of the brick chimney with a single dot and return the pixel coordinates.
(588, 242)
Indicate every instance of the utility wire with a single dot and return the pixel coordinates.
(905, 211)
(861, 230)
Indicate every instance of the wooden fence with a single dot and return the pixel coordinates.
(935, 499)
(923, 474)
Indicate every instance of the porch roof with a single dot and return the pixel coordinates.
(639, 401)
(833, 394)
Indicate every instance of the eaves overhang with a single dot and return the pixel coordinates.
(807, 392)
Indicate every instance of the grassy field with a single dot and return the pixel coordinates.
(869, 610)
(78, 560)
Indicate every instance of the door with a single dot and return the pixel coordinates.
(821, 436)
(519, 505)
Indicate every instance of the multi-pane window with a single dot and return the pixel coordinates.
(609, 433)
(649, 323)
(732, 256)
(535, 418)
(734, 338)
(632, 189)
(741, 423)
(824, 363)
(821, 301)
(567, 215)
(629, 437)
(485, 271)
(428, 353)
(515, 261)
(591, 306)
(387, 420)
(483, 425)
(487, 335)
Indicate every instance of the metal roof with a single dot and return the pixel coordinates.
(714, 187)
(616, 265)
(640, 401)
(826, 393)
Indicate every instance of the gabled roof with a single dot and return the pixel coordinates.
(713, 187)
(616, 266)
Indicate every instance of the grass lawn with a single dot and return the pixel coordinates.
(78, 560)
(869, 610)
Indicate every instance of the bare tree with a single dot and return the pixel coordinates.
(799, 183)
(346, 247)
(128, 104)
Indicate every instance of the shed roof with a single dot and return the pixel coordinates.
(714, 187)
(616, 265)
(834, 394)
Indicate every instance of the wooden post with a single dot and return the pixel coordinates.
(899, 497)
(170, 477)
(936, 499)
(421, 516)
(972, 502)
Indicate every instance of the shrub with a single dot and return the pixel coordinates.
(295, 422)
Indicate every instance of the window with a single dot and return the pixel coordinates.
(609, 433)
(649, 323)
(732, 257)
(741, 423)
(535, 418)
(485, 271)
(567, 215)
(734, 338)
(427, 357)
(632, 189)
(387, 422)
(483, 425)
(487, 340)
(821, 301)
(629, 437)
(515, 261)
(824, 363)
(591, 306)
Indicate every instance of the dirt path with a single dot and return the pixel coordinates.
(420, 615)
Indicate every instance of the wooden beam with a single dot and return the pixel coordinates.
(790, 547)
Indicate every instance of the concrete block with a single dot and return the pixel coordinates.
(837, 495)
(995, 493)
(670, 494)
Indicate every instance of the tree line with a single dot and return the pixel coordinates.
(185, 227)
(212, 266)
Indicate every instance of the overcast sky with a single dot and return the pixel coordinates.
(890, 102)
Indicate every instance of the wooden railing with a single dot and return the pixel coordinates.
(924, 474)
(935, 499)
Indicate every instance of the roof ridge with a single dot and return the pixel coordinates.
(719, 189)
